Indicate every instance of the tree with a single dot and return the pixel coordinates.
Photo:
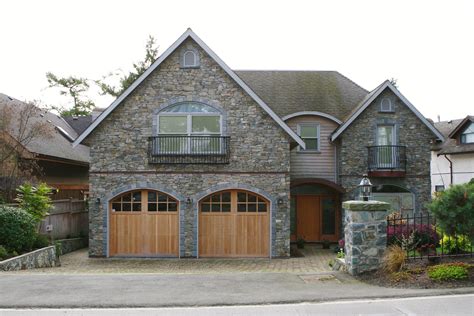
(20, 124)
(35, 200)
(151, 54)
(454, 209)
(74, 87)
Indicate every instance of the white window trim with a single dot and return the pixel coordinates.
(390, 107)
(298, 130)
(195, 59)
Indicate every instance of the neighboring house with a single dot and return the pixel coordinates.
(58, 164)
(197, 160)
(452, 162)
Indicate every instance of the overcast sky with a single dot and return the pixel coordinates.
(428, 46)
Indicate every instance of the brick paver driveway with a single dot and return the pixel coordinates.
(315, 260)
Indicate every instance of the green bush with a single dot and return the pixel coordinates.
(17, 229)
(41, 241)
(35, 200)
(3, 253)
(452, 245)
(454, 209)
(448, 272)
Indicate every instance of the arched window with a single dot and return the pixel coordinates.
(190, 59)
(144, 201)
(386, 105)
(190, 127)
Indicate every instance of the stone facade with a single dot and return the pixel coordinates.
(410, 132)
(365, 235)
(72, 244)
(259, 159)
(41, 258)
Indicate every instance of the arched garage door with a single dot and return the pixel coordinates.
(234, 223)
(143, 223)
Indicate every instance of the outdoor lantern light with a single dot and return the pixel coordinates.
(189, 201)
(365, 187)
(280, 201)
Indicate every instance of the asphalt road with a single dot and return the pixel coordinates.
(433, 306)
(19, 290)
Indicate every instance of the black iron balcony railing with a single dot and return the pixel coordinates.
(174, 149)
(387, 158)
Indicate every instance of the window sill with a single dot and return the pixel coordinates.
(309, 152)
(190, 67)
(388, 112)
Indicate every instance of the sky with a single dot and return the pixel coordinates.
(428, 46)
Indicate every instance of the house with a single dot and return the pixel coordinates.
(452, 162)
(197, 160)
(44, 144)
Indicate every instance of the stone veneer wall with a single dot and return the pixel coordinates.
(259, 159)
(365, 235)
(411, 132)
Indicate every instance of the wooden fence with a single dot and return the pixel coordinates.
(69, 218)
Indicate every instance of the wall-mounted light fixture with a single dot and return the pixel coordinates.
(189, 201)
(280, 201)
(97, 201)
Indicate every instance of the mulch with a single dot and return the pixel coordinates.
(417, 277)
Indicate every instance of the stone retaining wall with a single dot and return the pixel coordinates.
(72, 244)
(41, 258)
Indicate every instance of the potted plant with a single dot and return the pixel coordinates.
(326, 244)
(300, 243)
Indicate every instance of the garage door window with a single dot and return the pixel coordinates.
(248, 202)
(151, 201)
(219, 202)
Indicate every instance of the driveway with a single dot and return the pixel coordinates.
(315, 260)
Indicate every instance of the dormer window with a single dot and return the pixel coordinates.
(467, 137)
(190, 59)
(386, 105)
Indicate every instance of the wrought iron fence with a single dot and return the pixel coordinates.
(175, 149)
(387, 157)
(421, 237)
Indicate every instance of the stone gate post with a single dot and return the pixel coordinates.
(365, 234)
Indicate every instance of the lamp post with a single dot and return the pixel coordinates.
(365, 187)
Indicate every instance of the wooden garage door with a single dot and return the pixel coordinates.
(234, 224)
(143, 223)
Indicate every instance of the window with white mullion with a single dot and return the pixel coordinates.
(309, 133)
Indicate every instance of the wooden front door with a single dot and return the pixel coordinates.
(234, 223)
(307, 217)
(143, 223)
(317, 218)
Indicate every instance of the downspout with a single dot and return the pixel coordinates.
(450, 169)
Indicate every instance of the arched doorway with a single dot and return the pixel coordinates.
(143, 223)
(315, 212)
(234, 223)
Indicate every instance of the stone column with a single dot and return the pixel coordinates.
(365, 234)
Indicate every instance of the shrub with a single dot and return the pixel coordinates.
(341, 254)
(453, 245)
(17, 229)
(400, 276)
(41, 241)
(393, 259)
(35, 200)
(3, 253)
(413, 236)
(447, 272)
(454, 209)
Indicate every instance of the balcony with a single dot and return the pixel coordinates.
(387, 161)
(173, 149)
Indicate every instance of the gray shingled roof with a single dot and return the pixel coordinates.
(450, 146)
(79, 123)
(288, 92)
(54, 144)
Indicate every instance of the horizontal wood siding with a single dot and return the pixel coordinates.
(314, 165)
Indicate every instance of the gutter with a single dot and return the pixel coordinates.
(450, 169)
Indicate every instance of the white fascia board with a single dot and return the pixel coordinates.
(171, 49)
(314, 113)
(373, 97)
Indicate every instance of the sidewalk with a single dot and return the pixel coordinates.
(162, 290)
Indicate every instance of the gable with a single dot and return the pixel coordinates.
(189, 34)
(369, 100)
